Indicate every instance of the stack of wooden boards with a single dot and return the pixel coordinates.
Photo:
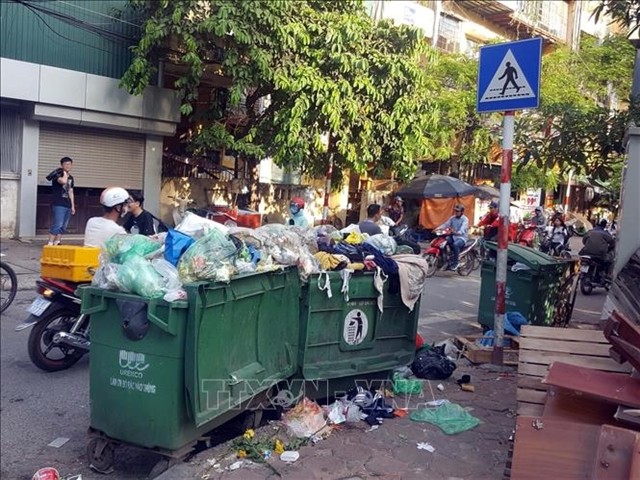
(577, 406)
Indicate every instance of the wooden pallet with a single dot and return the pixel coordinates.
(478, 354)
(540, 346)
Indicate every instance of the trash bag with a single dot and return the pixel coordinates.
(386, 244)
(406, 386)
(211, 257)
(450, 417)
(120, 247)
(106, 276)
(175, 245)
(196, 226)
(137, 275)
(305, 419)
(433, 364)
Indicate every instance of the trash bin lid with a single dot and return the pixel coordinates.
(527, 255)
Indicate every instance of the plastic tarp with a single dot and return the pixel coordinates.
(435, 211)
(450, 417)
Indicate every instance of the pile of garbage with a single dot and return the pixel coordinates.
(199, 249)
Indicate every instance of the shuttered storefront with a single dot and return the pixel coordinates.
(100, 157)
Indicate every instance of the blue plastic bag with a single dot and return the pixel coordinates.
(175, 245)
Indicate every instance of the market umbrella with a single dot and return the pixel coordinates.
(436, 186)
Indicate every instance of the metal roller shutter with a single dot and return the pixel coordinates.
(100, 157)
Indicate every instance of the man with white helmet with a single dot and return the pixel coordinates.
(114, 200)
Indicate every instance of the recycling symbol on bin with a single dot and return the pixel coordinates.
(356, 327)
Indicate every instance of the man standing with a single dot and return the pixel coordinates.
(370, 225)
(396, 210)
(63, 205)
(459, 226)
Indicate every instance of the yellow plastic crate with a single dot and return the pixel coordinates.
(69, 262)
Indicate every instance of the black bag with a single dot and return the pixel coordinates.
(55, 174)
(432, 364)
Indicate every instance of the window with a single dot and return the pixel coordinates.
(11, 144)
(449, 34)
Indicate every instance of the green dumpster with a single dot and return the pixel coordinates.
(352, 338)
(534, 281)
(162, 374)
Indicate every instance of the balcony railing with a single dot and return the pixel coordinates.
(194, 167)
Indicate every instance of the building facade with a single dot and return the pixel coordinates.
(60, 96)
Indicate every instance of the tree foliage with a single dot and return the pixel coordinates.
(322, 67)
(624, 12)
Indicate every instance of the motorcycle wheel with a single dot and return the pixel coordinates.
(41, 344)
(585, 287)
(466, 266)
(432, 264)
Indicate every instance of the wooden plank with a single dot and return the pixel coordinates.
(553, 449)
(532, 369)
(531, 396)
(530, 409)
(571, 406)
(576, 334)
(532, 383)
(543, 358)
(610, 387)
(615, 454)
(562, 346)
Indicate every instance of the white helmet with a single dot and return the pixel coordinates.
(112, 196)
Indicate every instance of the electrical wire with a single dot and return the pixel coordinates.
(100, 14)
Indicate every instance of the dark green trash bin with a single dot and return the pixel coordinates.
(193, 365)
(352, 338)
(532, 289)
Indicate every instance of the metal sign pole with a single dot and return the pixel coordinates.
(503, 237)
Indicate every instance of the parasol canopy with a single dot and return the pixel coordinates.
(436, 186)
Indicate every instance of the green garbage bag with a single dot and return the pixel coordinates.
(406, 386)
(121, 247)
(450, 417)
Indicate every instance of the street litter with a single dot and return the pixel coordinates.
(48, 473)
(373, 427)
(436, 403)
(465, 384)
(236, 465)
(449, 348)
(58, 442)
(305, 419)
(433, 364)
(450, 417)
(404, 385)
(426, 446)
(440, 387)
(289, 456)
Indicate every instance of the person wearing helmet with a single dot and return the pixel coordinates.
(395, 211)
(296, 208)
(114, 201)
(458, 223)
(491, 222)
(599, 244)
(538, 218)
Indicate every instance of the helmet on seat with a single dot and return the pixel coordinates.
(297, 202)
(112, 196)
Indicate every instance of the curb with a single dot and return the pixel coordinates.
(27, 281)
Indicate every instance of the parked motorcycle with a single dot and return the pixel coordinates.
(529, 235)
(60, 333)
(437, 254)
(592, 275)
(401, 235)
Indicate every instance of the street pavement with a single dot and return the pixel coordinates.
(37, 408)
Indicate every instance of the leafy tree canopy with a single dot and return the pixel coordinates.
(322, 66)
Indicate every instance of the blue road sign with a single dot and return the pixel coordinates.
(509, 76)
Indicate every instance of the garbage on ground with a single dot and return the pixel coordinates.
(406, 386)
(305, 419)
(450, 348)
(432, 364)
(426, 446)
(440, 387)
(512, 323)
(236, 465)
(48, 473)
(450, 417)
(58, 442)
(289, 456)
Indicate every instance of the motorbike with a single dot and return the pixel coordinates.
(437, 254)
(592, 275)
(401, 235)
(59, 334)
(529, 235)
(559, 250)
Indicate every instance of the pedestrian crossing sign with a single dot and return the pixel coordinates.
(509, 76)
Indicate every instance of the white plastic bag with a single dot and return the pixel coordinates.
(196, 226)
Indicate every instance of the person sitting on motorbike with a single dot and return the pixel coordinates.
(538, 218)
(114, 201)
(296, 208)
(459, 226)
(396, 210)
(599, 244)
(491, 222)
(370, 224)
(558, 237)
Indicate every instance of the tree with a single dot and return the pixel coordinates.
(623, 12)
(321, 66)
